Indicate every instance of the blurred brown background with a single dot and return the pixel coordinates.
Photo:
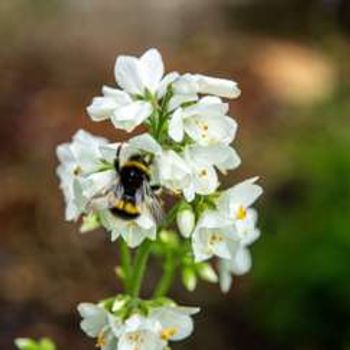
(291, 58)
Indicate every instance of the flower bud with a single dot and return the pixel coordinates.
(216, 86)
(185, 221)
(207, 273)
(189, 278)
(90, 222)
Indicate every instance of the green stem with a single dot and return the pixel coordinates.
(125, 261)
(165, 282)
(171, 216)
(139, 268)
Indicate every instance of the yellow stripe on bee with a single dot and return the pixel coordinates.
(138, 165)
(131, 208)
(128, 207)
(119, 204)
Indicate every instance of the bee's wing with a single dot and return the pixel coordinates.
(105, 198)
(152, 201)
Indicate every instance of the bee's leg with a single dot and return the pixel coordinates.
(116, 161)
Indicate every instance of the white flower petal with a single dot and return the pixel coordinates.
(222, 156)
(178, 100)
(140, 340)
(173, 172)
(128, 74)
(241, 262)
(132, 115)
(165, 82)
(120, 96)
(216, 86)
(146, 143)
(94, 319)
(170, 318)
(225, 275)
(152, 69)
(186, 85)
(102, 108)
(176, 128)
(245, 193)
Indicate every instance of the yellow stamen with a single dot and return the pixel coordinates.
(215, 238)
(241, 213)
(168, 333)
(101, 340)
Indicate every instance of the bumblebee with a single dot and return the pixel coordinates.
(133, 190)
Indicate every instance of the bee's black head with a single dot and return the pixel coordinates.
(133, 173)
(131, 177)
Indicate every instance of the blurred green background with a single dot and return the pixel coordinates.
(291, 58)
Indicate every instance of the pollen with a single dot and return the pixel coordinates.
(241, 213)
(167, 333)
(101, 340)
(215, 238)
(204, 128)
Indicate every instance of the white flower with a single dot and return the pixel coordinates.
(201, 160)
(240, 261)
(174, 322)
(202, 84)
(100, 324)
(238, 265)
(185, 220)
(138, 77)
(81, 160)
(139, 333)
(234, 204)
(134, 232)
(212, 236)
(163, 324)
(205, 122)
(173, 172)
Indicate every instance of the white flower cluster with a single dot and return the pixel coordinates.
(190, 136)
(152, 331)
(118, 186)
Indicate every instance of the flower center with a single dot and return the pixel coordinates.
(241, 213)
(215, 238)
(203, 173)
(204, 127)
(136, 339)
(77, 171)
(167, 333)
(101, 340)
